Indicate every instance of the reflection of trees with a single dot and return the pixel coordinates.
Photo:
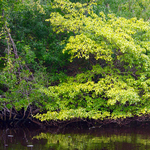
(71, 140)
(88, 142)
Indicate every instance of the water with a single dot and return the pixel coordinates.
(75, 139)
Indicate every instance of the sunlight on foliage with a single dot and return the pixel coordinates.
(75, 58)
(123, 44)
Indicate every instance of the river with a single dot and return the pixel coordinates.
(75, 139)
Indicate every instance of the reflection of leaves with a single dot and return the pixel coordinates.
(65, 141)
(82, 141)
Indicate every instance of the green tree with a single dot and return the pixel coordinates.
(117, 51)
(17, 83)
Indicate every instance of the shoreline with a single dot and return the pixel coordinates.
(136, 121)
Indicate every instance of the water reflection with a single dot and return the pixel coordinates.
(73, 139)
(20, 139)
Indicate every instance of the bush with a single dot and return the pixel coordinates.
(118, 85)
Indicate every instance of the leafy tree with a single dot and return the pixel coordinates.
(35, 40)
(108, 75)
(17, 83)
(116, 85)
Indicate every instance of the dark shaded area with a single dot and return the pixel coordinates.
(24, 118)
(20, 138)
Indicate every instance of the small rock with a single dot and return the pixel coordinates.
(10, 135)
(29, 145)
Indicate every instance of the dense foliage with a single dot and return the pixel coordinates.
(116, 50)
(88, 59)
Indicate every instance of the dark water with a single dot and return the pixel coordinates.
(75, 139)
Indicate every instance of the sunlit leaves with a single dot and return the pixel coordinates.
(98, 36)
(71, 114)
(120, 48)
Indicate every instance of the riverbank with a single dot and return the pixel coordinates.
(136, 121)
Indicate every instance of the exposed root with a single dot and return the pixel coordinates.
(13, 118)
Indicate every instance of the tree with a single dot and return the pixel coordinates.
(117, 53)
(20, 93)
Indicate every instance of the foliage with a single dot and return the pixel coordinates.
(118, 85)
(18, 85)
(123, 8)
(22, 90)
(35, 38)
(136, 8)
(106, 42)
